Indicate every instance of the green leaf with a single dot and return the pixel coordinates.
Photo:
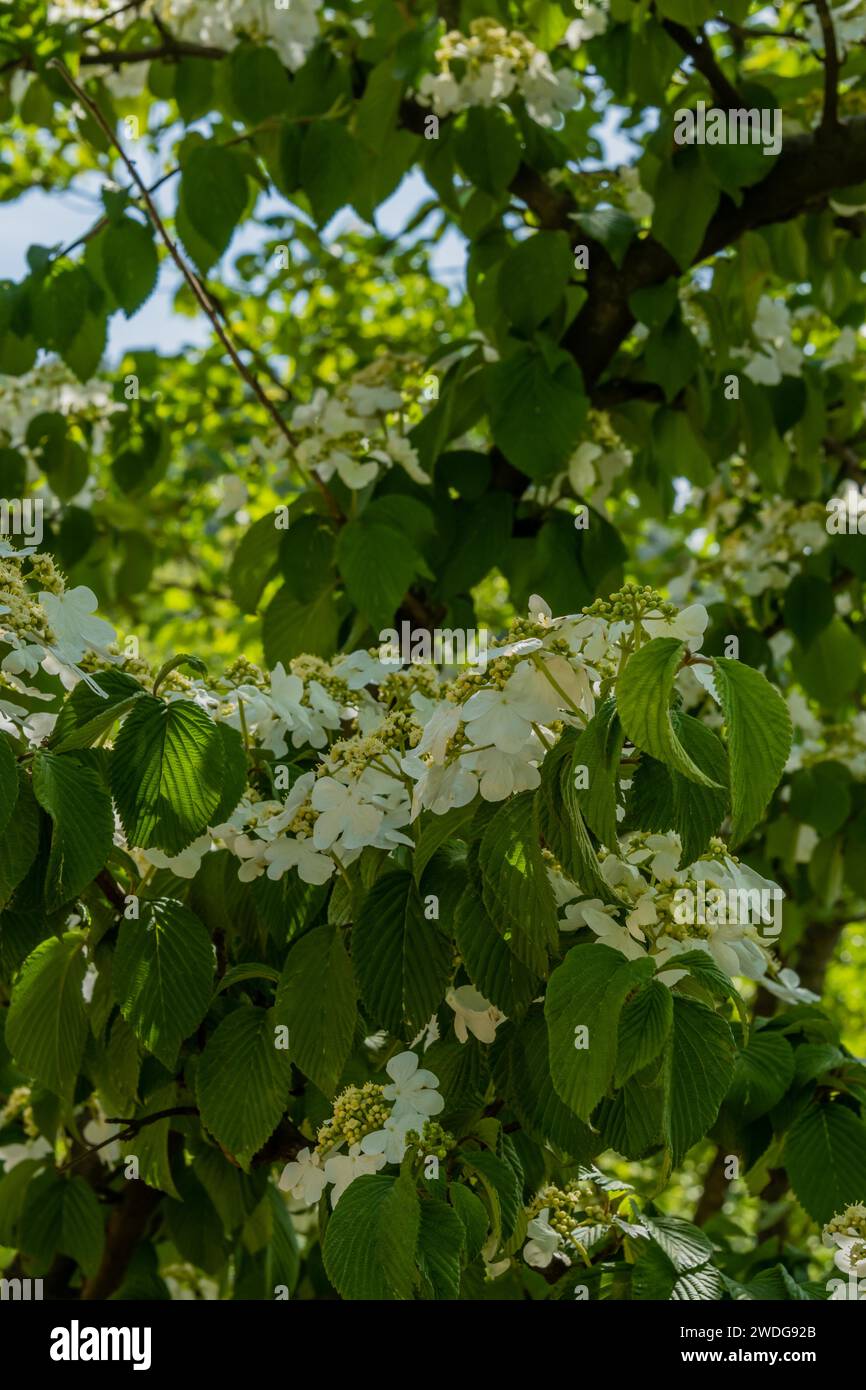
(598, 748)
(809, 607)
(662, 799)
(821, 796)
(213, 198)
(86, 715)
(330, 161)
(8, 782)
(473, 1216)
(488, 148)
(685, 199)
(588, 991)
(533, 278)
(46, 1025)
(167, 770)
(522, 1071)
(130, 263)
(561, 822)
(759, 736)
(825, 1155)
(613, 228)
(764, 1071)
(643, 694)
(243, 1082)
(372, 1236)
(699, 1069)
(437, 831)
(403, 961)
(514, 882)
(644, 1026)
(63, 1216)
(162, 976)
(254, 562)
(83, 824)
(292, 627)
(378, 563)
(440, 1243)
(501, 1184)
(537, 408)
(20, 844)
(318, 1001)
(491, 965)
(259, 82)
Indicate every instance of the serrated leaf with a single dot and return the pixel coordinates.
(440, 1245)
(403, 961)
(491, 965)
(243, 1082)
(588, 992)
(644, 1025)
(213, 197)
(825, 1155)
(597, 748)
(759, 733)
(514, 883)
(370, 1243)
(318, 1002)
(167, 770)
(521, 1066)
(8, 782)
(699, 1068)
(643, 695)
(82, 823)
(46, 1025)
(162, 976)
(130, 263)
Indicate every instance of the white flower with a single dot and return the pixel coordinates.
(501, 774)
(96, 1131)
(305, 1178)
(285, 853)
(342, 1169)
(75, 629)
(544, 1242)
(391, 1139)
(689, 626)
(505, 717)
(13, 1154)
(786, 986)
(413, 1090)
(344, 815)
(184, 865)
(397, 449)
(473, 1014)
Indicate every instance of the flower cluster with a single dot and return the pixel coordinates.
(358, 430)
(490, 64)
(45, 626)
(716, 905)
(845, 1235)
(375, 1125)
(570, 1223)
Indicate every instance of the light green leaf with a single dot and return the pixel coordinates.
(536, 409)
(130, 264)
(643, 694)
(699, 1069)
(588, 991)
(167, 770)
(759, 733)
(644, 1025)
(213, 197)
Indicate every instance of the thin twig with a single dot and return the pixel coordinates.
(112, 14)
(830, 114)
(192, 280)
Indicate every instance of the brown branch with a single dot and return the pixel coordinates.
(191, 278)
(111, 889)
(116, 57)
(830, 114)
(127, 1225)
(699, 49)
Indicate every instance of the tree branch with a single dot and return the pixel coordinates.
(830, 114)
(191, 278)
(699, 49)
